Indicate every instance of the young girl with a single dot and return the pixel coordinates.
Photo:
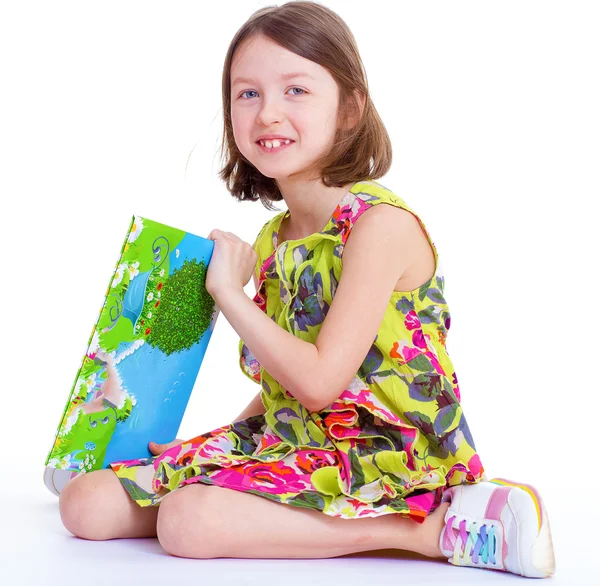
(357, 440)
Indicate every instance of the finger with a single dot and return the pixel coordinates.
(162, 447)
(159, 448)
(224, 235)
(216, 233)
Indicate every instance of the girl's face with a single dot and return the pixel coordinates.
(266, 98)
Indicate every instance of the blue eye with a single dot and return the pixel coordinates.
(292, 88)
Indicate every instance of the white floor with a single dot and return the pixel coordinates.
(37, 549)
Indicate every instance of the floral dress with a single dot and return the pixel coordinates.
(393, 440)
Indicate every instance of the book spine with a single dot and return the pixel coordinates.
(73, 388)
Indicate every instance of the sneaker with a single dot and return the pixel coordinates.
(498, 525)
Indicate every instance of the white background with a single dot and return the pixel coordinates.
(110, 109)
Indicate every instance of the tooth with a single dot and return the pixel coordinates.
(275, 143)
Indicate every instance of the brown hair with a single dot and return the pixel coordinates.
(319, 34)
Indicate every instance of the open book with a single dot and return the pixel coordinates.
(143, 354)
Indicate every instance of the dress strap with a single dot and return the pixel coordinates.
(366, 195)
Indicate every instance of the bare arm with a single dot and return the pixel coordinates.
(255, 407)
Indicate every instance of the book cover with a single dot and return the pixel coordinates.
(143, 354)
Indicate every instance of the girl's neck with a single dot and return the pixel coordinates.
(310, 210)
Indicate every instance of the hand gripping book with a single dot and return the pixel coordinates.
(143, 354)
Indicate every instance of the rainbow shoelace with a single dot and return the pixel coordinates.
(479, 542)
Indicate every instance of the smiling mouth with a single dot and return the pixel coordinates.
(281, 147)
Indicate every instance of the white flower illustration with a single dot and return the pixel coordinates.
(136, 229)
(150, 296)
(90, 381)
(118, 275)
(65, 462)
(133, 269)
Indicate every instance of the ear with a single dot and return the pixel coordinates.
(356, 107)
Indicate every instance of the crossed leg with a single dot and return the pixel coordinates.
(96, 506)
(205, 521)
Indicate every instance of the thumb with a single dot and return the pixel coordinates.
(155, 448)
(160, 448)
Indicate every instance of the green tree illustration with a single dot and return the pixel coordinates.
(184, 311)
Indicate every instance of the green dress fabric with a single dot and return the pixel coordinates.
(393, 440)
(399, 424)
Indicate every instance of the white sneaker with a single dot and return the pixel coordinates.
(498, 525)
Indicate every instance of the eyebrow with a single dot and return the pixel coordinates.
(285, 76)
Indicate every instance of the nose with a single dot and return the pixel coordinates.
(270, 113)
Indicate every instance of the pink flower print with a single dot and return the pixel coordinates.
(455, 386)
(411, 321)
(309, 461)
(403, 352)
(418, 339)
(347, 215)
(475, 466)
(266, 270)
(270, 477)
(342, 218)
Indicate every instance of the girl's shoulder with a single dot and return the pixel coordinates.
(361, 196)
(373, 193)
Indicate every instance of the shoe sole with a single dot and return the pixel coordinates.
(540, 563)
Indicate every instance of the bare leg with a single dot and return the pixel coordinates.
(96, 506)
(244, 525)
